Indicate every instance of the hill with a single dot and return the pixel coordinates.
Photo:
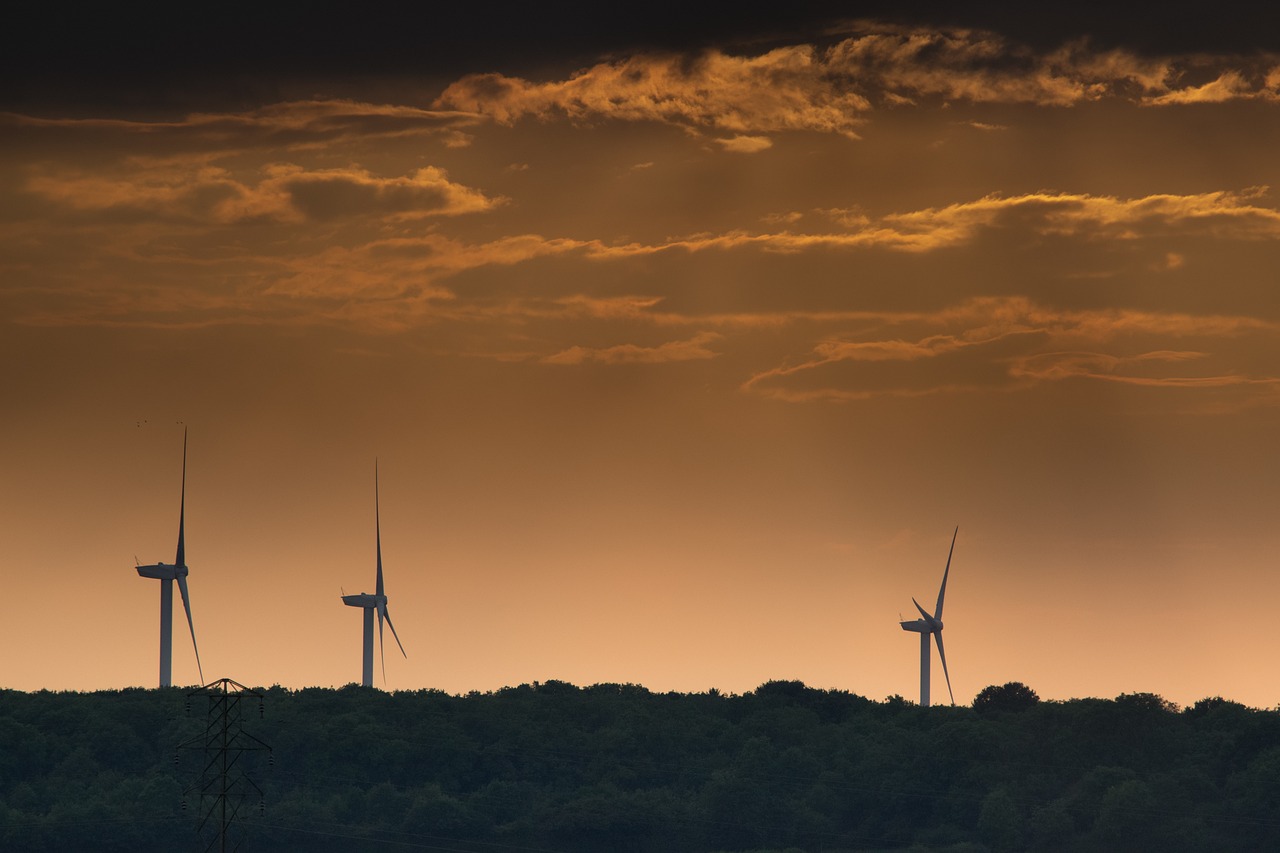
(553, 767)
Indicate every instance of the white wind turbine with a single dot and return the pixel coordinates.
(167, 574)
(931, 626)
(374, 603)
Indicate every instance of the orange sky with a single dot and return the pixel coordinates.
(680, 365)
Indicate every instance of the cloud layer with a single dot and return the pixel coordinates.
(836, 88)
(1011, 344)
(399, 218)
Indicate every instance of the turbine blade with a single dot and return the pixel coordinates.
(186, 603)
(182, 510)
(377, 524)
(382, 650)
(928, 620)
(387, 613)
(942, 654)
(943, 591)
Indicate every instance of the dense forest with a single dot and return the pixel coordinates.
(553, 767)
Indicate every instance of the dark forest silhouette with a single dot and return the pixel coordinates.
(616, 767)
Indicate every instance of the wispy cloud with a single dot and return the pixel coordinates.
(693, 349)
(194, 192)
(416, 268)
(288, 125)
(785, 89)
(1230, 85)
(836, 88)
(1236, 215)
(1014, 343)
(746, 144)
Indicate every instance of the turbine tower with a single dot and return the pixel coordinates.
(167, 574)
(931, 626)
(374, 603)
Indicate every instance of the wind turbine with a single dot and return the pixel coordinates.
(931, 626)
(374, 603)
(167, 574)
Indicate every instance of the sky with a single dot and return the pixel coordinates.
(682, 345)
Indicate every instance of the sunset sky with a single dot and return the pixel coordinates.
(682, 347)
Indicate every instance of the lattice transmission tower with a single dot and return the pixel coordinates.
(225, 747)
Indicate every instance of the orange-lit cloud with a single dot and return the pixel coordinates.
(1131, 370)
(911, 63)
(694, 348)
(784, 89)
(746, 144)
(197, 192)
(407, 276)
(1011, 343)
(1226, 214)
(835, 89)
(433, 257)
(288, 125)
(1229, 85)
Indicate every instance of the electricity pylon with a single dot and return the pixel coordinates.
(223, 782)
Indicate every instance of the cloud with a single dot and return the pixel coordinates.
(902, 65)
(288, 125)
(1087, 215)
(1224, 214)
(1229, 86)
(195, 192)
(1013, 343)
(784, 89)
(746, 144)
(402, 280)
(1147, 370)
(835, 88)
(692, 349)
(334, 193)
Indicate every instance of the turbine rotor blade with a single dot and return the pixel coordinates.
(942, 654)
(928, 620)
(377, 525)
(942, 592)
(387, 614)
(180, 560)
(186, 603)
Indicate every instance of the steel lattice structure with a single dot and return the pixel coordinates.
(223, 783)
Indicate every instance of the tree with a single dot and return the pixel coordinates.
(1013, 696)
(1000, 821)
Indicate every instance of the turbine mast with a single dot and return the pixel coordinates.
(925, 654)
(166, 632)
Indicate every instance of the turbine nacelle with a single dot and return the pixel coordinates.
(365, 599)
(162, 571)
(934, 623)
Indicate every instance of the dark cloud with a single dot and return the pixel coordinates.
(164, 57)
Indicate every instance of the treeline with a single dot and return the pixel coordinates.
(554, 767)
